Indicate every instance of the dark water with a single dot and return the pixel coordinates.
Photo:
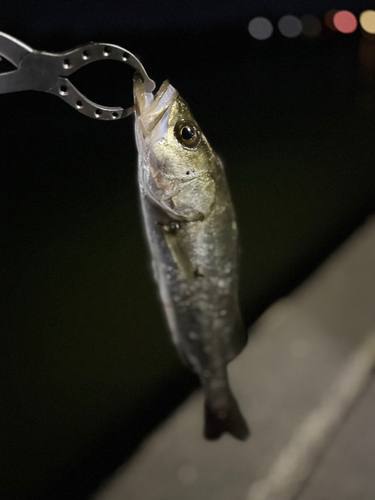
(88, 367)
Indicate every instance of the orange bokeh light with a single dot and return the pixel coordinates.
(367, 21)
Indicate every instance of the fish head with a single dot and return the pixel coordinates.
(177, 166)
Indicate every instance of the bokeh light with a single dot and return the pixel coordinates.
(260, 28)
(311, 25)
(367, 21)
(345, 21)
(290, 26)
(328, 19)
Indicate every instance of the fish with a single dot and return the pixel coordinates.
(192, 234)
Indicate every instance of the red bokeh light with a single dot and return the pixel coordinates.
(345, 21)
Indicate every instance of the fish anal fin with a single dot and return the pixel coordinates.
(238, 340)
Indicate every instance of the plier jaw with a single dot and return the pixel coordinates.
(48, 72)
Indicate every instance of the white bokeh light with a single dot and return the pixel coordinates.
(290, 26)
(260, 28)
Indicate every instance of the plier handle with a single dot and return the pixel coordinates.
(48, 72)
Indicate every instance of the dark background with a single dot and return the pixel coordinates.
(87, 365)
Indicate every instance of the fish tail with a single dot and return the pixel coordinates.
(222, 414)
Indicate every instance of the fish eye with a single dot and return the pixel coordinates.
(187, 134)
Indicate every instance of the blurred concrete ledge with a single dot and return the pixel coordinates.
(305, 384)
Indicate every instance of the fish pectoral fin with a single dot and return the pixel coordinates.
(180, 256)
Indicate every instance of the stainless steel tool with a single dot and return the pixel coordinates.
(48, 72)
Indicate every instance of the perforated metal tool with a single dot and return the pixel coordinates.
(48, 72)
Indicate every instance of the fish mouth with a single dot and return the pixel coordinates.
(152, 111)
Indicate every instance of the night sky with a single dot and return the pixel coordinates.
(86, 18)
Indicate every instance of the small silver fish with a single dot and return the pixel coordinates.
(192, 234)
